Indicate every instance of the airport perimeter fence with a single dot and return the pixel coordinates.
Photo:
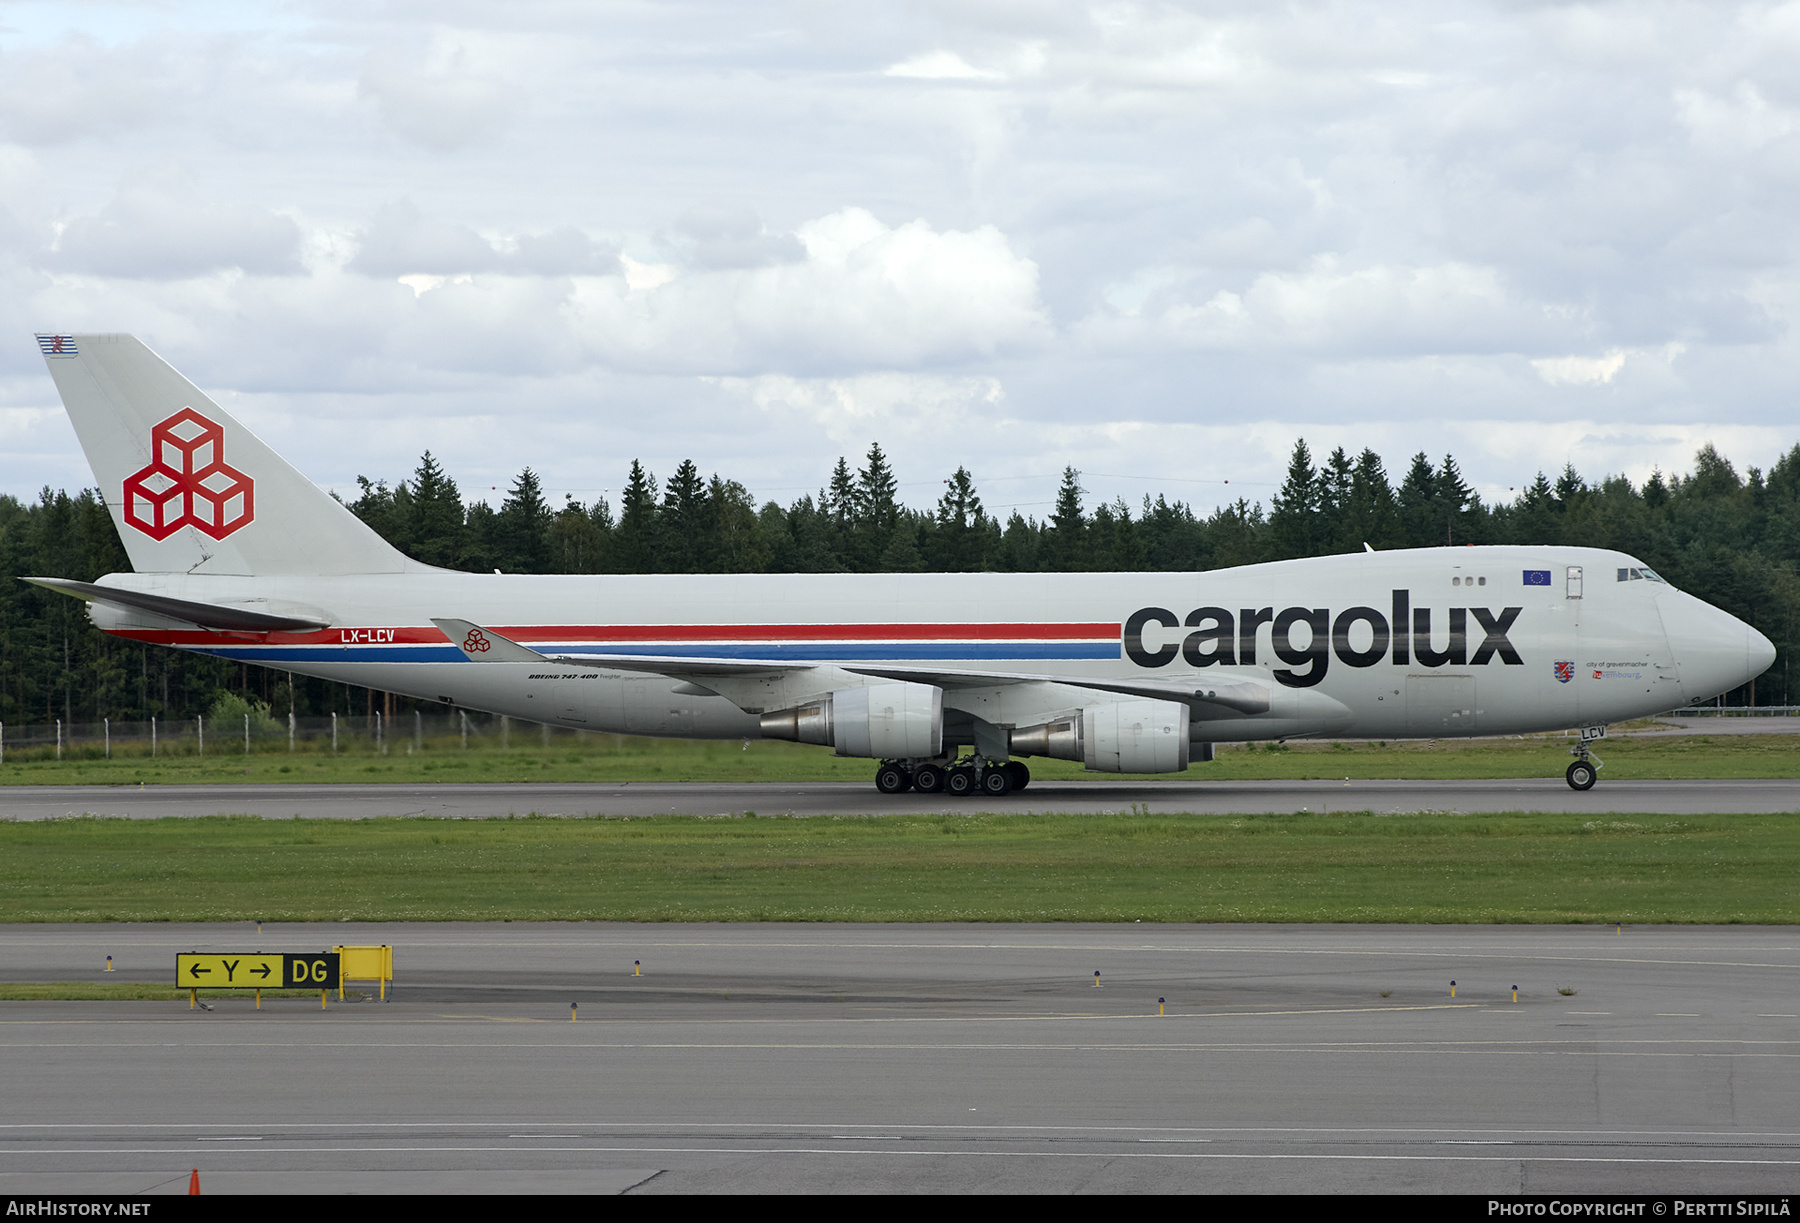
(376, 734)
(372, 734)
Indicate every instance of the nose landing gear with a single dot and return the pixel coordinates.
(1586, 770)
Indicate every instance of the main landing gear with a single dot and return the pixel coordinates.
(963, 778)
(1586, 770)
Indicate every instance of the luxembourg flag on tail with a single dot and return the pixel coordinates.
(57, 345)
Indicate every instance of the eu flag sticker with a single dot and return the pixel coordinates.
(1537, 577)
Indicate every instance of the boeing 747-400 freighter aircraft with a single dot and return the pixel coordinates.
(238, 555)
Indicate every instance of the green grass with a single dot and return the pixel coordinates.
(976, 867)
(615, 758)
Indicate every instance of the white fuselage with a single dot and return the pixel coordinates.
(1550, 638)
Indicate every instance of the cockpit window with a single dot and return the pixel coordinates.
(1640, 574)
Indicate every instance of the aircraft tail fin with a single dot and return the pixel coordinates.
(192, 490)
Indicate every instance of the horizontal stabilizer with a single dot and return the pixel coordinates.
(206, 615)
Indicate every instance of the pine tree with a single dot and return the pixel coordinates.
(878, 492)
(957, 542)
(387, 510)
(841, 500)
(878, 508)
(522, 528)
(1459, 506)
(1371, 515)
(583, 537)
(1536, 516)
(735, 543)
(634, 547)
(1418, 505)
(1114, 539)
(685, 546)
(1293, 512)
(437, 528)
(1065, 544)
(1336, 477)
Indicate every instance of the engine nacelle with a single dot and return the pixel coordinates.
(1126, 737)
(898, 721)
(1135, 737)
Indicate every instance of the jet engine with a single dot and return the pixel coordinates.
(898, 721)
(1126, 737)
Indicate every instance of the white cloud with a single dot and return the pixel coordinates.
(404, 242)
(1591, 371)
(1142, 221)
(866, 295)
(440, 96)
(161, 226)
(1580, 370)
(942, 65)
(1733, 126)
(1326, 309)
(731, 235)
(642, 277)
(80, 88)
(878, 405)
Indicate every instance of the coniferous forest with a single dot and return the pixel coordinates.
(1732, 539)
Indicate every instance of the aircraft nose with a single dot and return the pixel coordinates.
(1761, 653)
(1714, 650)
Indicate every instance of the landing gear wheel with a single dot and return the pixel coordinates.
(961, 782)
(997, 783)
(1021, 776)
(928, 779)
(892, 779)
(1582, 775)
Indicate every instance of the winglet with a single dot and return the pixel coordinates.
(484, 644)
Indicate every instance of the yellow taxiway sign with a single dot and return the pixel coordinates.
(256, 970)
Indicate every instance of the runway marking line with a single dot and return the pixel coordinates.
(938, 1154)
(1568, 1048)
(1323, 1133)
(1023, 1017)
(1463, 952)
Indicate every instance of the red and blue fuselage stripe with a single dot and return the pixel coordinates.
(777, 643)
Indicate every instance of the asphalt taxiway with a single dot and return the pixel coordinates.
(935, 1058)
(486, 801)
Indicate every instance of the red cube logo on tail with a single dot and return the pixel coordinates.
(188, 483)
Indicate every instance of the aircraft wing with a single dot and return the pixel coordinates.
(1238, 696)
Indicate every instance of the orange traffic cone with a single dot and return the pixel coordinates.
(194, 1184)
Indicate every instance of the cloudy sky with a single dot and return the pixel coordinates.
(1154, 241)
